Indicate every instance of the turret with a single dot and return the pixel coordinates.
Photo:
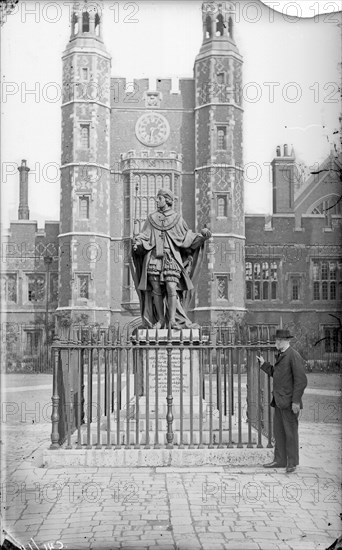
(85, 167)
(219, 164)
(86, 21)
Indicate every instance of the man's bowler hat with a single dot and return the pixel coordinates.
(283, 334)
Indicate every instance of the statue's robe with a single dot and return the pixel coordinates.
(167, 230)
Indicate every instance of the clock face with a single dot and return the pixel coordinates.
(152, 129)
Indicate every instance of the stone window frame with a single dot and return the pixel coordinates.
(226, 195)
(261, 277)
(147, 191)
(325, 282)
(4, 276)
(26, 289)
(221, 126)
(331, 338)
(85, 74)
(226, 277)
(76, 281)
(81, 196)
(82, 125)
(291, 278)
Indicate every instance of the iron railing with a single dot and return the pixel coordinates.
(159, 389)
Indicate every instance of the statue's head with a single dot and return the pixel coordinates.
(169, 196)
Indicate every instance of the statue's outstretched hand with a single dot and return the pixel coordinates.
(206, 232)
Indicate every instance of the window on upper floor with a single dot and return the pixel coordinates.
(220, 78)
(9, 287)
(326, 276)
(221, 142)
(222, 287)
(85, 136)
(83, 206)
(221, 206)
(144, 190)
(261, 280)
(83, 286)
(36, 287)
(295, 285)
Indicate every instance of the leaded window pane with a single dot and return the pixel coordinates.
(324, 270)
(36, 287)
(316, 291)
(265, 271)
(256, 272)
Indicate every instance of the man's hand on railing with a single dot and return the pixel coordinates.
(261, 360)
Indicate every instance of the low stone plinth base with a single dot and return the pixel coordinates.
(132, 458)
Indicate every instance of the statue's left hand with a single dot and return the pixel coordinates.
(206, 233)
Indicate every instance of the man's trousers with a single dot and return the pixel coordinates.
(285, 430)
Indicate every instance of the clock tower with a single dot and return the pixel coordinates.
(219, 166)
(84, 240)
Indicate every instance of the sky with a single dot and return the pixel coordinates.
(291, 76)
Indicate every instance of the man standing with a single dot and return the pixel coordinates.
(289, 383)
(166, 261)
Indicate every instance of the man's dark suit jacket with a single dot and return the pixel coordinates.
(289, 379)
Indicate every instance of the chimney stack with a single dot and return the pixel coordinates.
(283, 176)
(23, 210)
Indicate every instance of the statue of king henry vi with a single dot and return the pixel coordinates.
(166, 258)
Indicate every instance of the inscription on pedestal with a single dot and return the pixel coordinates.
(175, 367)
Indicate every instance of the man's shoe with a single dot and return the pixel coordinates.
(290, 469)
(273, 465)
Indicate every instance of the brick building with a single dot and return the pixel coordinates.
(120, 145)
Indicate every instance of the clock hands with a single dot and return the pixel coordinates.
(152, 130)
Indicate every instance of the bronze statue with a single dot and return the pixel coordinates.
(166, 261)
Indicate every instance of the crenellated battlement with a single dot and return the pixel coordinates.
(152, 93)
(28, 231)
